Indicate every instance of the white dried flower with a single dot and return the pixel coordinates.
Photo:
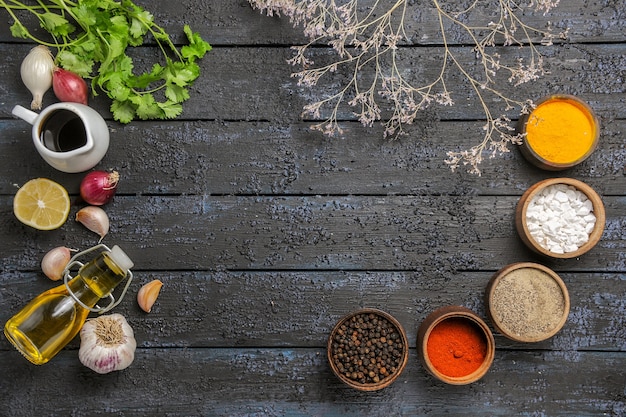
(367, 42)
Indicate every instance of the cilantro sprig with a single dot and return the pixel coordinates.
(92, 38)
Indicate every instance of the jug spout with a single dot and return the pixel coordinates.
(24, 114)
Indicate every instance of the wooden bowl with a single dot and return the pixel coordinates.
(527, 302)
(582, 112)
(522, 225)
(345, 337)
(469, 320)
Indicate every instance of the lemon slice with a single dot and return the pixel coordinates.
(42, 203)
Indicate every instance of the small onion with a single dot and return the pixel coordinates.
(68, 86)
(98, 187)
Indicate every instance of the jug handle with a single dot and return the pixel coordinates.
(25, 114)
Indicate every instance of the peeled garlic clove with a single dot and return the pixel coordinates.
(148, 294)
(54, 262)
(107, 343)
(95, 219)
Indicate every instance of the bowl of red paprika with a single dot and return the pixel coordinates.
(455, 345)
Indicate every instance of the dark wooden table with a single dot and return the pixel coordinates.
(265, 233)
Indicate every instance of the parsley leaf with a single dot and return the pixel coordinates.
(123, 111)
(171, 110)
(18, 30)
(55, 24)
(197, 46)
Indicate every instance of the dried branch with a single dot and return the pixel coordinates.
(367, 42)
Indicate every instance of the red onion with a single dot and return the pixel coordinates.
(68, 86)
(98, 187)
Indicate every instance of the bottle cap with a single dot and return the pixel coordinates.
(121, 259)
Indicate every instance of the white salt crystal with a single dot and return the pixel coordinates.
(590, 218)
(583, 210)
(533, 227)
(571, 195)
(556, 249)
(552, 225)
(561, 197)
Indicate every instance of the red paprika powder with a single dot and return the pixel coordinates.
(456, 347)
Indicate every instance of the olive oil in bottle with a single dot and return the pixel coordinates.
(52, 319)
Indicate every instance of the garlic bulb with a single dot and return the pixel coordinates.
(95, 219)
(36, 71)
(107, 343)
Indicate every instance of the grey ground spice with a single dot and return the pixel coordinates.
(528, 302)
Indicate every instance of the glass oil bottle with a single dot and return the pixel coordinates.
(52, 319)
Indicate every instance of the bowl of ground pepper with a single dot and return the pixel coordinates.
(527, 302)
(368, 349)
(560, 218)
(559, 133)
(455, 345)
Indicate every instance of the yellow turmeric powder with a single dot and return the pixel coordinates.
(561, 130)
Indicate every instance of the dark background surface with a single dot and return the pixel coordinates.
(265, 233)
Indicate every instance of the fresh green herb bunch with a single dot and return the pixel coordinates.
(92, 38)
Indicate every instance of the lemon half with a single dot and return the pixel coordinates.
(42, 203)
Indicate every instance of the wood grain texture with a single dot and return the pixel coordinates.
(298, 382)
(250, 158)
(307, 233)
(235, 23)
(265, 233)
(299, 308)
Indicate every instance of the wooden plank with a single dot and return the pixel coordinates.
(298, 382)
(299, 308)
(236, 23)
(423, 233)
(243, 158)
(255, 83)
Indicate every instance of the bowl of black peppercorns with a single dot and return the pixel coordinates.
(368, 349)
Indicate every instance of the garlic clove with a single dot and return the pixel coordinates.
(107, 343)
(95, 219)
(148, 294)
(54, 262)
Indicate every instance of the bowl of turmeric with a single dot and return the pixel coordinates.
(559, 133)
(455, 345)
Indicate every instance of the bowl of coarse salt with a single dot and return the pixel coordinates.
(560, 217)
